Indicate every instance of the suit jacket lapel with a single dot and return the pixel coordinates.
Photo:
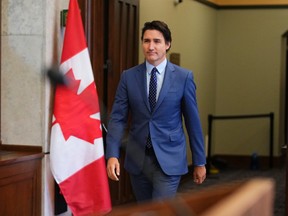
(169, 76)
(142, 83)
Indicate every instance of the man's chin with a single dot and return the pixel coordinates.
(151, 60)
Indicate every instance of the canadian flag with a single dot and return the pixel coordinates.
(77, 154)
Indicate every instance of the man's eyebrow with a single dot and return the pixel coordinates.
(152, 39)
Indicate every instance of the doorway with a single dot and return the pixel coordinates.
(285, 108)
(112, 34)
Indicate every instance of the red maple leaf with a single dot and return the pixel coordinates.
(73, 111)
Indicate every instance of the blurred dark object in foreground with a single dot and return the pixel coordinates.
(246, 198)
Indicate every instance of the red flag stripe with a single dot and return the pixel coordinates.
(76, 32)
(83, 198)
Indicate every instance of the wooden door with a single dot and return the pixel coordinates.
(123, 41)
(285, 147)
(93, 17)
(122, 53)
(111, 28)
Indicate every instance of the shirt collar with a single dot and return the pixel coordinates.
(160, 67)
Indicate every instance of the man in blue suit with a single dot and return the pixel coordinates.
(156, 148)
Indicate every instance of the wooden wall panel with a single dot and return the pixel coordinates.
(93, 13)
(20, 183)
(123, 41)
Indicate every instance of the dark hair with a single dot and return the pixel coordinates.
(159, 26)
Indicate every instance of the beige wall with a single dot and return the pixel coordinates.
(21, 83)
(248, 78)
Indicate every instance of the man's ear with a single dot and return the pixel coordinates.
(168, 46)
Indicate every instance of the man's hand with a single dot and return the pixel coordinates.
(113, 168)
(199, 174)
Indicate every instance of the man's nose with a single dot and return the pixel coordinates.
(151, 46)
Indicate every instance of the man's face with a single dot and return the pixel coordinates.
(154, 46)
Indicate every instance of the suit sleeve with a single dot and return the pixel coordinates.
(192, 122)
(118, 120)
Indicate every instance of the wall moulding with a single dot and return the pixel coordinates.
(245, 3)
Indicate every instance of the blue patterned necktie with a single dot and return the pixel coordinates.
(152, 98)
(153, 88)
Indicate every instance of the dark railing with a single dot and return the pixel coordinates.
(210, 121)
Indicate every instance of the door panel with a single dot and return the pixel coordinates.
(123, 42)
(93, 14)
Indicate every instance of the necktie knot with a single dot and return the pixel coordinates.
(154, 70)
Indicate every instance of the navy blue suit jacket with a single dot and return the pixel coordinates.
(177, 99)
